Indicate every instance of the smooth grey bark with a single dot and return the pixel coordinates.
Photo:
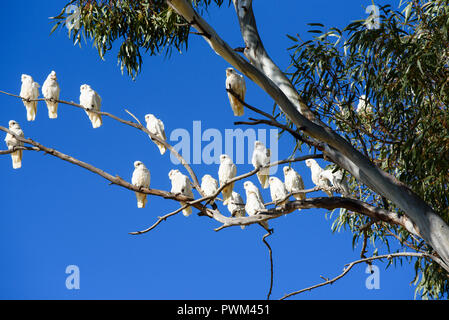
(264, 72)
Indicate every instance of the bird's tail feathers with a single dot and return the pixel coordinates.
(300, 196)
(263, 179)
(227, 194)
(52, 109)
(161, 147)
(95, 119)
(31, 110)
(141, 199)
(187, 211)
(237, 107)
(17, 159)
(239, 110)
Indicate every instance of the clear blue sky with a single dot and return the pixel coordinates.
(54, 214)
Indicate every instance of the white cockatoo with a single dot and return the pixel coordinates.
(209, 186)
(337, 180)
(141, 178)
(278, 192)
(261, 158)
(226, 172)
(236, 83)
(364, 108)
(180, 184)
(318, 180)
(156, 127)
(254, 203)
(236, 206)
(12, 142)
(29, 90)
(91, 100)
(248, 185)
(293, 183)
(51, 90)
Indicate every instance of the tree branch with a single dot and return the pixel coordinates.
(159, 220)
(349, 266)
(16, 148)
(329, 203)
(270, 252)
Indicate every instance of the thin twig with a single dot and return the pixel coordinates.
(160, 219)
(271, 262)
(135, 118)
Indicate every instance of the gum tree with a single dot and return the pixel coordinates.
(396, 160)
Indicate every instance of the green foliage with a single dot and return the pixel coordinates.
(403, 70)
(137, 25)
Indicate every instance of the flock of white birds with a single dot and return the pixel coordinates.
(280, 191)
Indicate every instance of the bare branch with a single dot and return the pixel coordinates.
(349, 266)
(270, 252)
(132, 115)
(16, 148)
(159, 220)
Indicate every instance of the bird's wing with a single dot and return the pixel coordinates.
(161, 129)
(96, 101)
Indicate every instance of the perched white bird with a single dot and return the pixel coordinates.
(180, 184)
(141, 178)
(90, 100)
(29, 90)
(209, 186)
(254, 204)
(236, 206)
(293, 183)
(278, 191)
(364, 108)
(226, 172)
(248, 185)
(261, 158)
(318, 180)
(51, 90)
(12, 142)
(236, 83)
(337, 180)
(156, 127)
